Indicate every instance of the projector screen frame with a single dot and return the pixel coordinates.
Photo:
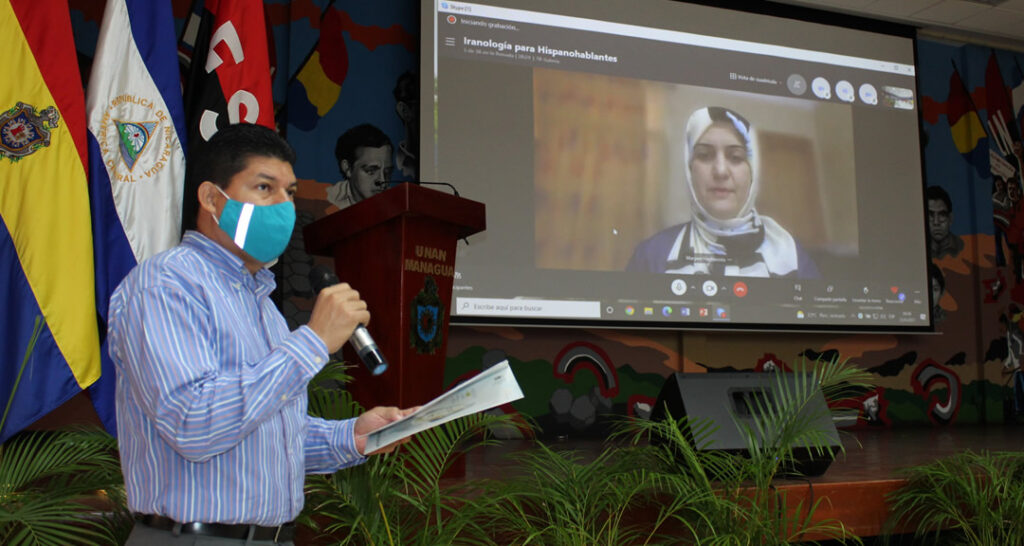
(787, 11)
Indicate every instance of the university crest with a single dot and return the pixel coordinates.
(426, 327)
(23, 130)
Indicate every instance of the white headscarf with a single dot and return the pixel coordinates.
(774, 253)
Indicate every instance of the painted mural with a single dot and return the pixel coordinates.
(346, 81)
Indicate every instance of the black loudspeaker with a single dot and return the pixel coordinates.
(725, 398)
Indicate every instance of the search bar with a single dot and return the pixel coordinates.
(498, 307)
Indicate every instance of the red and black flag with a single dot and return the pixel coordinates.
(229, 78)
(1001, 121)
(227, 75)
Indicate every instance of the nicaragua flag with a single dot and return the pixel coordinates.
(137, 162)
(46, 263)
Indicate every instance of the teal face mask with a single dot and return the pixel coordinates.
(262, 231)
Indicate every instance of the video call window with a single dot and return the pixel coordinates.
(605, 148)
(655, 163)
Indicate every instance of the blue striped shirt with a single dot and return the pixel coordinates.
(211, 392)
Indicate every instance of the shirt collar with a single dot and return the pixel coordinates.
(228, 264)
(340, 194)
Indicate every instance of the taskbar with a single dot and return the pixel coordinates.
(868, 313)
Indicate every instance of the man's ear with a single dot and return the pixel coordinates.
(207, 195)
(346, 169)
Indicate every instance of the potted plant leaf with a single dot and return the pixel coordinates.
(50, 482)
(969, 498)
(401, 497)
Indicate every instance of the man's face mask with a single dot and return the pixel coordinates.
(262, 231)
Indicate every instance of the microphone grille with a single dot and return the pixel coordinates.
(321, 277)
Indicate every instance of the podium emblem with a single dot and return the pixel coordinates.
(425, 331)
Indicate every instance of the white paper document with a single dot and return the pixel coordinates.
(492, 387)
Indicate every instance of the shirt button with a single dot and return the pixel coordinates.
(318, 360)
(284, 397)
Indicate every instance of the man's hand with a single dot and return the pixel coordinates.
(375, 419)
(336, 313)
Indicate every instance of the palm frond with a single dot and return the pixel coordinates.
(44, 479)
(628, 494)
(327, 397)
(978, 496)
(401, 497)
(736, 501)
(87, 456)
(563, 498)
(37, 329)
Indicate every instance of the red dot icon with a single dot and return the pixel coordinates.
(740, 289)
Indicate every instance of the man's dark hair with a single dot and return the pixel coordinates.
(360, 136)
(406, 88)
(936, 193)
(226, 154)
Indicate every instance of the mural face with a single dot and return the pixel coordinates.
(939, 220)
(370, 172)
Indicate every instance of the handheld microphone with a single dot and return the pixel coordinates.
(321, 277)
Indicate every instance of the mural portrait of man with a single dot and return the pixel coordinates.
(940, 217)
(364, 155)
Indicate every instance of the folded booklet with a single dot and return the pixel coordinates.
(492, 387)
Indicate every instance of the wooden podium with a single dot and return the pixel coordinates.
(397, 249)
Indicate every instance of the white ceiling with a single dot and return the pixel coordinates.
(989, 22)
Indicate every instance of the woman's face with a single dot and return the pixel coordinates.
(720, 172)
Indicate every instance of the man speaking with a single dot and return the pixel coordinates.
(211, 386)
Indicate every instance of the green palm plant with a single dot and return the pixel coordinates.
(46, 481)
(718, 499)
(632, 493)
(968, 498)
(48, 478)
(787, 421)
(401, 497)
(731, 499)
(562, 499)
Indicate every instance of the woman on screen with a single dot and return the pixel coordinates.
(725, 234)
